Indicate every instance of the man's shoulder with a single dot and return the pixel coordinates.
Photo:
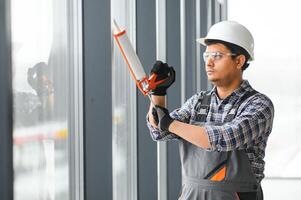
(261, 99)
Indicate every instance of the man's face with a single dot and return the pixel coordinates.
(222, 69)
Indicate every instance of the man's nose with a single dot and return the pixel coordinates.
(209, 61)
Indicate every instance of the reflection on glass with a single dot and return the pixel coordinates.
(39, 37)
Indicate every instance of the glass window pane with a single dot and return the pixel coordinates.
(40, 60)
(124, 133)
(276, 72)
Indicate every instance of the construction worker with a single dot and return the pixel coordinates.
(222, 133)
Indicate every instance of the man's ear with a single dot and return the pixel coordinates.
(240, 60)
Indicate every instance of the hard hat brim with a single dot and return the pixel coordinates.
(201, 41)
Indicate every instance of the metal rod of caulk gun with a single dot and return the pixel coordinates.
(145, 86)
(151, 100)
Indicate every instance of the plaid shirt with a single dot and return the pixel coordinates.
(249, 129)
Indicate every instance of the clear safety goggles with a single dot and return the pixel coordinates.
(216, 55)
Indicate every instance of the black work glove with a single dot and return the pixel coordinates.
(155, 116)
(163, 71)
(162, 117)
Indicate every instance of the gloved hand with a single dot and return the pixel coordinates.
(163, 71)
(162, 117)
(155, 116)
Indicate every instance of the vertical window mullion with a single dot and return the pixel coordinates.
(75, 115)
(161, 55)
(6, 146)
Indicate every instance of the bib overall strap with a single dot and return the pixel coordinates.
(203, 105)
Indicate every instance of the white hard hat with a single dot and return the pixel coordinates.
(232, 32)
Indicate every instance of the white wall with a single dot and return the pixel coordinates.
(284, 189)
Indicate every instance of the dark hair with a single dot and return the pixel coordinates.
(235, 49)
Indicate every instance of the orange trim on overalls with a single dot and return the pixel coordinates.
(220, 175)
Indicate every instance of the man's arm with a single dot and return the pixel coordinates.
(253, 122)
(181, 114)
(194, 134)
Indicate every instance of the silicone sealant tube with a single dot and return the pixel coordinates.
(131, 59)
(129, 53)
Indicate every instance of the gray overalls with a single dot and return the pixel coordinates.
(213, 175)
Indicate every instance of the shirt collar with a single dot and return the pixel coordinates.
(243, 88)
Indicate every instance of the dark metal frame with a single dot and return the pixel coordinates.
(97, 99)
(6, 123)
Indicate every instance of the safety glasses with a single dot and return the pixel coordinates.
(216, 55)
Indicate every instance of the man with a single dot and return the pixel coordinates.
(222, 133)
